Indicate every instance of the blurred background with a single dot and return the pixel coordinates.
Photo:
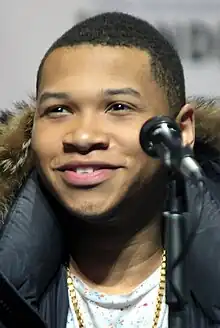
(29, 27)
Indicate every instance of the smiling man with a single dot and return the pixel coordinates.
(91, 210)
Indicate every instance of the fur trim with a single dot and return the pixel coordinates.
(207, 120)
(16, 158)
(15, 155)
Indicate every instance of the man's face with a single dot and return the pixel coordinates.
(92, 103)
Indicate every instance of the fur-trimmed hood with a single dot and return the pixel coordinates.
(16, 160)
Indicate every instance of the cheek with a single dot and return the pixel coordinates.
(149, 169)
(45, 143)
(147, 166)
(142, 166)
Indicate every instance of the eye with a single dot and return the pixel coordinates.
(57, 111)
(119, 107)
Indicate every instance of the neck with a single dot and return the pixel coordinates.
(112, 261)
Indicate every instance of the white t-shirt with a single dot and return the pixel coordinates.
(134, 310)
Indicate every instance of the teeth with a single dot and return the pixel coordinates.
(84, 170)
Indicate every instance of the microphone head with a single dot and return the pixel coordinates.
(147, 136)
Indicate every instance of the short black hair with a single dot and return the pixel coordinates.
(121, 29)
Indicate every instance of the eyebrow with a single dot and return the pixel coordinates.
(53, 95)
(107, 92)
(123, 91)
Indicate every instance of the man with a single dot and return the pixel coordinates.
(82, 239)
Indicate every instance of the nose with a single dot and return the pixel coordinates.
(86, 136)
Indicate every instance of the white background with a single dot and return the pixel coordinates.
(28, 27)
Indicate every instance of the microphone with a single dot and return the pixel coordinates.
(160, 137)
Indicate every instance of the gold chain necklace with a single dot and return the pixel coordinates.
(160, 295)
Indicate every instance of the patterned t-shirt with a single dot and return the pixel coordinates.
(117, 311)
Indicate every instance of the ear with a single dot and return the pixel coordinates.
(186, 121)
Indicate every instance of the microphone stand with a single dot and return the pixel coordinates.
(175, 227)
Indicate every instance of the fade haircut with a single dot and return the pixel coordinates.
(120, 29)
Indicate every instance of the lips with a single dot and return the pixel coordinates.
(86, 174)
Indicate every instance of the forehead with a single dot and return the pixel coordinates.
(93, 68)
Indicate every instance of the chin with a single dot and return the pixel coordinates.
(93, 205)
(92, 213)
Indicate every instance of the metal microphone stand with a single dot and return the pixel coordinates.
(175, 228)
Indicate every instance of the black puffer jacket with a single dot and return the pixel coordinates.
(32, 247)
